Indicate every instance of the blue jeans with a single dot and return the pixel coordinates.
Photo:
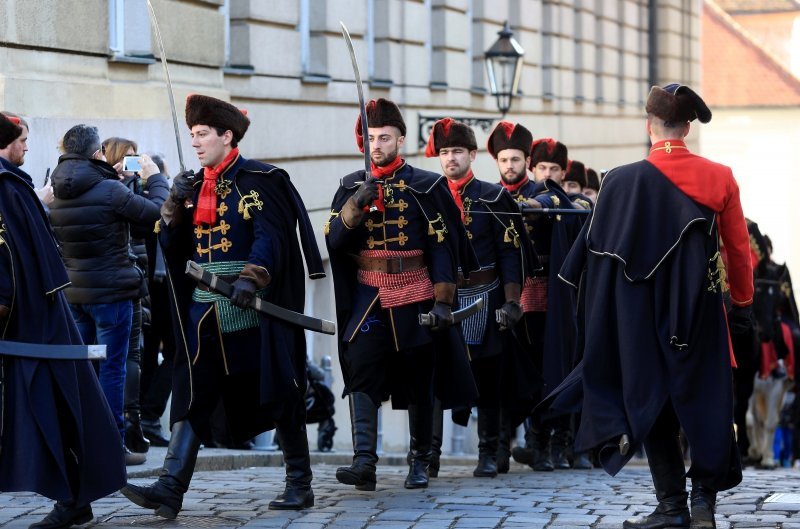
(109, 324)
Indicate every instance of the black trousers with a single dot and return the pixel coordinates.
(372, 365)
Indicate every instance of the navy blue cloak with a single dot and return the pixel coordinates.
(655, 328)
(54, 413)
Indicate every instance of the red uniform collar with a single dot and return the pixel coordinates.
(668, 147)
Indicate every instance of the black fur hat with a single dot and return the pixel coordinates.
(207, 110)
(507, 135)
(10, 130)
(677, 103)
(592, 179)
(448, 132)
(548, 150)
(380, 113)
(576, 172)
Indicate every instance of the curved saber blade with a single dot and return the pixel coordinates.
(361, 104)
(154, 20)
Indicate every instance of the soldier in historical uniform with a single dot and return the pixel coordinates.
(657, 357)
(58, 437)
(549, 322)
(396, 242)
(243, 228)
(592, 186)
(506, 257)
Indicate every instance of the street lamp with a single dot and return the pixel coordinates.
(504, 67)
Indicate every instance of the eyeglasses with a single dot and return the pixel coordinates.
(101, 150)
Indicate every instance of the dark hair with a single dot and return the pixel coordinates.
(221, 131)
(81, 139)
(22, 121)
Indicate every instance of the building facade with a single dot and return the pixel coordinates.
(588, 65)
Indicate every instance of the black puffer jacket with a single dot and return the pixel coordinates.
(90, 216)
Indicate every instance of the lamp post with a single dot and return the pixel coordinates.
(504, 67)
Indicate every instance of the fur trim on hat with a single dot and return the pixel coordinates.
(677, 104)
(548, 150)
(448, 132)
(576, 172)
(507, 135)
(380, 113)
(592, 179)
(10, 130)
(213, 112)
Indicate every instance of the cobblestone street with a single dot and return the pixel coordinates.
(520, 499)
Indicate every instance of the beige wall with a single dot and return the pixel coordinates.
(761, 146)
(584, 82)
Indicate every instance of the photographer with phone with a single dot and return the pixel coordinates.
(141, 175)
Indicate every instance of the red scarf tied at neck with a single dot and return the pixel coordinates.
(456, 187)
(381, 173)
(206, 208)
(513, 188)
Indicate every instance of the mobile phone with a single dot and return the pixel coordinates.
(46, 177)
(131, 163)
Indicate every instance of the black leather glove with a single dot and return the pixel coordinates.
(443, 316)
(741, 320)
(508, 315)
(182, 186)
(366, 192)
(243, 292)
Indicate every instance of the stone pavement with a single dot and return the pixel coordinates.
(521, 499)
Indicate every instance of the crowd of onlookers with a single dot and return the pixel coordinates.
(103, 199)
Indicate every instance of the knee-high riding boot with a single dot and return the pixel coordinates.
(364, 421)
(420, 425)
(291, 432)
(669, 479)
(166, 494)
(488, 439)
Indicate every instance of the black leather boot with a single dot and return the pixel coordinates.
(293, 440)
(364, 421)
(153, 432)
(560, 444)
(504, 443)
(166, 494)
(420, 425)
(669, 479)
(582, 461)
(524, 454)
(488, 439)
(134, 437)
(436, 440)
(542, 460)
(703, 501)
(65, 515)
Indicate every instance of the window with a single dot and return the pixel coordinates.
(313, 51)
(129, 31)
(547, 50)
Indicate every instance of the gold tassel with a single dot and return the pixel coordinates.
(431, 231)
(246, 214)
(157, 227)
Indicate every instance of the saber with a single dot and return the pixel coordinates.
(429, 320)
(52, 352)
(535, 211)
(154, 20)
(362, 106)
(219, 286)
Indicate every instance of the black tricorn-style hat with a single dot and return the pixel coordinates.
(548, 150)
(576, 172)
(207, 110)
(448, 132)
(592, 179)
(380, 113)
(676, 103)
(10, 130)
(507, 135)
